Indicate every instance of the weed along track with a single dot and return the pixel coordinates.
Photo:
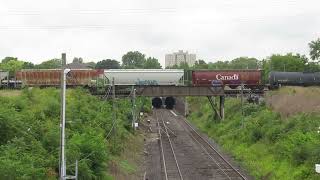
(185, 154)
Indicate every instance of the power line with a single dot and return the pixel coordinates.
(130, 27)
(72, 27)
(90, 12)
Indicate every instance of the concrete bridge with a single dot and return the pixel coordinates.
(162, 91)
(180, 91)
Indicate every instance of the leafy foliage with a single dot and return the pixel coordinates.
(11, 64)
(201, 64)
(29, 131)
(137, 60)
(133, 60)
(315, 49)
(28, 65)
(267, 145)
(151, 63)
(50, 64)
(108, 64)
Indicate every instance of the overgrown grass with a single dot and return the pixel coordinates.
(29, 134)
(5, 92)
(268, 146)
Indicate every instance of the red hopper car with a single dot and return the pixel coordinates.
(51, 77)
(231, 78)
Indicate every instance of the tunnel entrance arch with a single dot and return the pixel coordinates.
(169, 102)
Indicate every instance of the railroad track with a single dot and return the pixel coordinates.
(224, 166)
(185, 154)
(170, 164)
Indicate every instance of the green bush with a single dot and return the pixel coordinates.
(30, 133)
(268, 146)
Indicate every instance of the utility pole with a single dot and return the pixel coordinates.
(114, 110)
(62, 165)
(62, 160)
(242, 114)
(134, 116)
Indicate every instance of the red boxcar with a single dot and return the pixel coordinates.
(51, 77)
(232, 78)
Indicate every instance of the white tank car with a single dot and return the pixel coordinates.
(145, 76)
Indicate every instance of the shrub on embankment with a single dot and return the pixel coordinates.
(29, 134)
(265, 143)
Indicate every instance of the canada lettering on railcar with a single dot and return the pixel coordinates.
(227, 77)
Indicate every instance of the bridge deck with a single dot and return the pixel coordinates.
(152, 91)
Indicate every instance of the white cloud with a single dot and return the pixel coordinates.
(213, 29)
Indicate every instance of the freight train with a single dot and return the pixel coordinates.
(142, 77)
(278, 79)
(251, 79)
(50, 78)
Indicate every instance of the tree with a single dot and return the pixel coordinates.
(288, 62)
(312, 67)
(219, 65)
(77, 60)
(133, 60)
(152, 63)
(11, 64)
(28, 65)
(91, 64)
(108, 64)
(50, 64)
(315, 49)
(7, 59)
(184, 65)
(244, 63)
(173, 67)
(201, 64)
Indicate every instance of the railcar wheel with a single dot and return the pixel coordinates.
(233, 86)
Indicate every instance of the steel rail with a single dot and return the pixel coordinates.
(211, 147)
(210, 156)
(171, 146)
(161, 147)
(174, 154)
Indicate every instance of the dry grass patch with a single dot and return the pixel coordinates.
(7, 93)
(127, 166)
(292, 100)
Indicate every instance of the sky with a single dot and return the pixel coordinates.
(38, 30)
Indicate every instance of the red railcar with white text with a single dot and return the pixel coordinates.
(232, 78)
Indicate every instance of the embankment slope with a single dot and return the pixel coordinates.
(276, 140)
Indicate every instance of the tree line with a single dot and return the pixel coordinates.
(138, 60)
(130, 60)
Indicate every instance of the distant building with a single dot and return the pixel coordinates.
(178, 57)
(77, 65)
